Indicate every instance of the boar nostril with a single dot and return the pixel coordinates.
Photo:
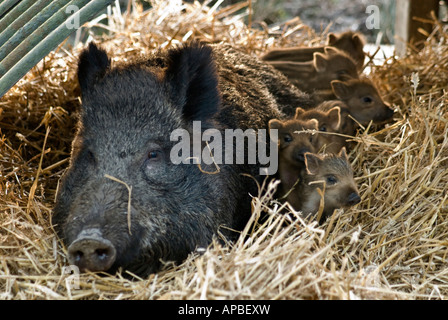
(92, 253)
(102, 254)
(78, 256)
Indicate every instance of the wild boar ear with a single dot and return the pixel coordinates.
(275, 124)
(319, 62)
(93, 64)
(334, 115)
(331, 39)
(299, 111)
(340, 89)
(312, 163)
(191, 75)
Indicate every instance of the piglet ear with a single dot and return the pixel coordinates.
(331, 51)
(275, 124)
(191, 74)
(334, 116)
(320, 62)
(93, 64)
(343, 153)
(312, 163)
(299, 111)
(313, 123)
(331, 39)
(340, 89)
(358, 41)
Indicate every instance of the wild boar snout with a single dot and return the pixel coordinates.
(90, 251)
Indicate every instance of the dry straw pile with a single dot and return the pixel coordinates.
(393, 245)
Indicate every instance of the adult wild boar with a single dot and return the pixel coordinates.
(123, 202)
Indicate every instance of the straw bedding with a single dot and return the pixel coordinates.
(393, 245)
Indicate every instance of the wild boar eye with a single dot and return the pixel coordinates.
(155, 167)
(323, 128)
(154, 155)
(331, 179)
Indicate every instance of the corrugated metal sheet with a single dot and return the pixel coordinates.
(30, 29)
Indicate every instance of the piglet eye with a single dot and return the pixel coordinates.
(367, 100)
(331, 179)
(287, 138)
(342, 74)
(323, 128)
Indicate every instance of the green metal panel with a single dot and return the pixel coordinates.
(21, 22)
(15, 12)
(6, 5)
(37, 36)
(34, 31)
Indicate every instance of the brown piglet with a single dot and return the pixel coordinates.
(360, 99)
(350, 42)
(329, 125)
(333, 175)
(318, 73)
(294, 141)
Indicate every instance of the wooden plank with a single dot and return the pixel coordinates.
(406, 27)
